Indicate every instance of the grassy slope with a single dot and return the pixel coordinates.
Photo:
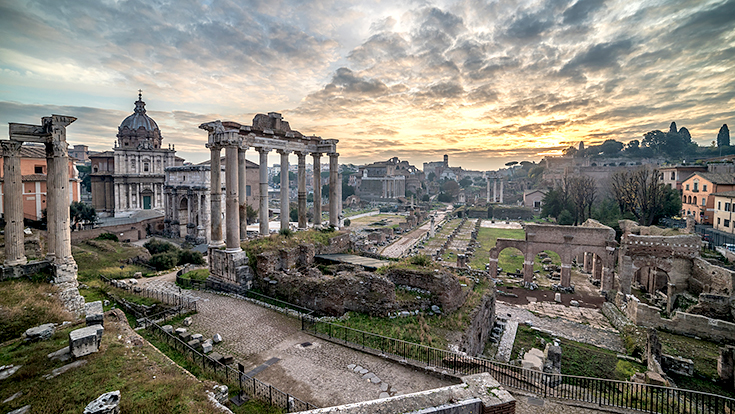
(95, 257)
(25, 304)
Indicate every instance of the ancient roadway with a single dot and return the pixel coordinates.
(405, 242)
(318, 373)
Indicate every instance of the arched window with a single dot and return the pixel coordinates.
(690, 199)
(695, 200)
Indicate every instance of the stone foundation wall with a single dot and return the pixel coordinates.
(682, 323)
(442, 284)
(482, 319)
(359, 291)
(337, 244)
(26, 270)
(708, 278)
(130, 232)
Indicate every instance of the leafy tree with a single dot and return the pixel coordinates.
(723, 137)
(570, 152)
(291, 178)
(425, 197)
(250, 213)
(156, 246)
(163, 261)
(293, 212)
(431, 176)
(444, 198)
(191, 256)
(325, 191)
(465, 182)
(610, 147)
(565, 218)
(511, 163)
(84, 175)
(633, 147)
(82, 213)
(451, 187)
(347, 190)
(310, 198)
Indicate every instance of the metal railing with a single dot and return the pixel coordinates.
(602, 392)
(249, 386)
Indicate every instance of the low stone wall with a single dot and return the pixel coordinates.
(359, 291)
(442, 284)
(26, 270)
(682, 323)
(130, 232)
(708, 278)
(337, 244)
(482, 319)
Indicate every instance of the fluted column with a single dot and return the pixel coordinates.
(317, 188)
(285, 206)
(302, 189)
(57, 209)
(51, 223)
(215, 196)
(263, 190)
(501, 192)
(495, 190)
(13, 204)
(333, 178)
(242, 191)
(487, 182)
(232, 216)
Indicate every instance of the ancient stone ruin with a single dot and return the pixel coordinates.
(52, 133)
(228, 263)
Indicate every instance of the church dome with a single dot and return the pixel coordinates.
(139, 118)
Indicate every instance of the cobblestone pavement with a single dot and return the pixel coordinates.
(532, 405)
(405, 242)
(317, 373)
(564, 328)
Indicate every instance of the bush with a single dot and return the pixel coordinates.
(156, 246)
(107, 236)
(285, 232)
(421, 260)
(163, 261)
(190, 256)
(348, 222)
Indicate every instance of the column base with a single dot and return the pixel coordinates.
(229, 270)
(17, 262)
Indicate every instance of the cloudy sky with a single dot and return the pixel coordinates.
(484, 81)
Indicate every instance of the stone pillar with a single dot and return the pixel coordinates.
(588, 257)
(242, 191)
(333, 194)
(492, 269)
(487, 181)
(215, 240)
(58, 209)
(232, 215)
(528, 271)
(501, 192)
(13, 204)
(285, 205)
(596, 267)
(317, 157)
(263, 190)
(606, 284)
(566, 274)
(302, 189)
(495, 190)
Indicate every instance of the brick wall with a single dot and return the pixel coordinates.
(507, 408)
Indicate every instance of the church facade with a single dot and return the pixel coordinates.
(130, 178)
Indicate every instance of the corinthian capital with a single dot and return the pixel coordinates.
(56, 149)
(11, 148)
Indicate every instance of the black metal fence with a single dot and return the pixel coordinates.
(603, 392)
(714, 237)
(246, 386)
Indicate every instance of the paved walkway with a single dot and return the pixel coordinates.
(398, 248)
(309, 368)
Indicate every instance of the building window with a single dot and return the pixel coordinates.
(695, 200)
(718, 221)
(247, 190)
(696, 186)
(687, 187)
(673, 175)
(719, 205)
(726, 223)
(704, 201)
(690, 199)
(145, 167)
(727, 206)
(704, 187)
(38, 169)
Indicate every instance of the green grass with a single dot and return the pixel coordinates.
(95, 257)
(199, 274)
(703, 353)
(25, 304)
(116, 367)
(510, 259)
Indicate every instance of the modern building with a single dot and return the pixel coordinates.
(33, 172)
(674, 175)
(697, 190)
(724, 204)
(131, 177)
(534, 199)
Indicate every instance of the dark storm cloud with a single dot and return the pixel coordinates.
(599, 56)
(345, 82)
(529, 25)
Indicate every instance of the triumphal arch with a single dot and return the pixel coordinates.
(228, 263)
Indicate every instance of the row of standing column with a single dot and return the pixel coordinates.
(57, 202)
(236, 205)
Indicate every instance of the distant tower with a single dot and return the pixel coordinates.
(581, 145)
(446, 160)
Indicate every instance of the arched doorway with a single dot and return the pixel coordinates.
(652, 285)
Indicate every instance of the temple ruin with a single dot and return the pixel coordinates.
(51, 133)
(228, 262)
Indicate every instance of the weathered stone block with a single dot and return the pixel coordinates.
(63, 354)
(107, 403)
(217, 338)
(216, 356)
(85, 341)
(168, 329)
(187, 321)
(40, 333)
(207, 346)
(185, 336)
(179, 331)
(197, 336)
(194, 343)
(94, 313)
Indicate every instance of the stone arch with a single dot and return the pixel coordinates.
(501, 245)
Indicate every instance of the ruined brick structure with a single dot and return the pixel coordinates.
(568, 242)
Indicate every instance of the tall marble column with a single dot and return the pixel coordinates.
(501, 192)
(495, 190)
(333, 194)
(58, 209)
(263, 190)
(317, 188)
(216, 196)
(285, 206)
(242, 190)
(487, 182)
(13, 204)
(232, 216)
(302, 189)
(51, 222)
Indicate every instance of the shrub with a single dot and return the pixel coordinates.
(421, 260)
(156, 246)
(107, 236)
(191, 256)
(285, 232)
(348, 222)
(163, 261)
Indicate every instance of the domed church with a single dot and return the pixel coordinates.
(130, 178)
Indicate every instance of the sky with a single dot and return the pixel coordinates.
(486, 82)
